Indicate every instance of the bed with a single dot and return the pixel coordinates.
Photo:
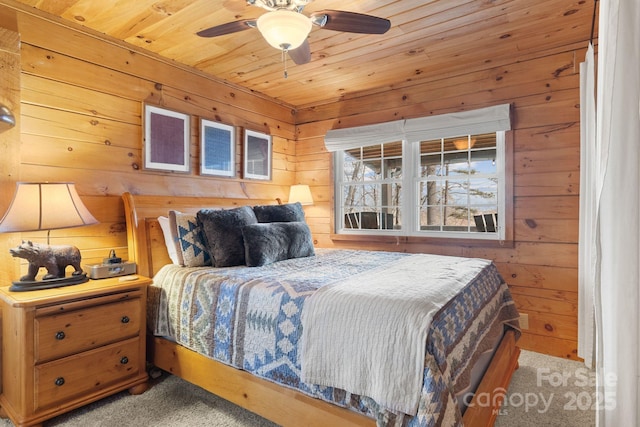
(279, 394)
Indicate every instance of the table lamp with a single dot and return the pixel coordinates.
(300, 193)
(46, 206)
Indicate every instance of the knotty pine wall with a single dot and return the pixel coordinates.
(541, 265)
(80, 99)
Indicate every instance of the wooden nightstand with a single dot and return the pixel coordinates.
(65, 347)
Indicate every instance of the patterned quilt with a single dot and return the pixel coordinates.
(249, 318)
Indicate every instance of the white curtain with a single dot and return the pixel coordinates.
(588, 273)
(617, 301)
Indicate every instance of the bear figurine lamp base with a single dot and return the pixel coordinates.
(46, 206)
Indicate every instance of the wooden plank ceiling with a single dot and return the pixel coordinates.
(428, 39)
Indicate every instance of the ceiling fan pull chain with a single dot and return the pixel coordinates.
(284, 60)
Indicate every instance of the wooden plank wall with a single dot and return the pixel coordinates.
(9, 138)
(541, 267)
(81, 102)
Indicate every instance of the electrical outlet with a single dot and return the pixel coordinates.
(524, 321)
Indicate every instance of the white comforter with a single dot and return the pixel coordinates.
(367, 334)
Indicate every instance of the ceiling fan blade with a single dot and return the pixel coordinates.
(302, 54)
(350, 22)
(228, 28)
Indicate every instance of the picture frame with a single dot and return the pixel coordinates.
(257, 155)
(166, 139)
(217, 149)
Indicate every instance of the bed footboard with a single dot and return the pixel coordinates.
(288, 407)
(282, 405)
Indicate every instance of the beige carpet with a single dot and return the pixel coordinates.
(549, 391)
(172, 402)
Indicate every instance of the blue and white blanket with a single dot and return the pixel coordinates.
(250, 318)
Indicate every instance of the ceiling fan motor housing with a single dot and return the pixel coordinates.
(297, 5)
(284, 29)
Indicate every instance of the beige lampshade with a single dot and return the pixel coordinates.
(300, 193)
(45, 206)
(284, 29)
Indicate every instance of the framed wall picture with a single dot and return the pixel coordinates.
(217, 148)
(257, 155)
(166, 139)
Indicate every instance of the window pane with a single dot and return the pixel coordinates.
(353, 171)
(353, 195)
(456, 164)
(393, 149)
(456, 218)
(430, 165)
(455, 192)
(430, 217)
(393, 169)
(431, 147)
(456, 144)
(372, 195)
(372, 190)
(483, 162)
(431, 193)
(372, 170)
(487, 140)
(483, 191)
(372, 152)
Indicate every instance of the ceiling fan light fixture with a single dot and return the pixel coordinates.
(284, 29)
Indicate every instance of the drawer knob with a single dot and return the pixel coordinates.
(59, 381)
(124, 360)
(125, 319)
(60, 335)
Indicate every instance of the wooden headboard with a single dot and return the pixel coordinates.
(144, 236)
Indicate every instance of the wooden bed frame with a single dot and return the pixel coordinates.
(282, 405)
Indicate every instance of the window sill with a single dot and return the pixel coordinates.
(397, 240)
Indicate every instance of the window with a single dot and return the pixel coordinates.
(461, 184)
(448, 186)
(372, 187)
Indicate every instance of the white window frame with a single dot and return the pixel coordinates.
(411, 132)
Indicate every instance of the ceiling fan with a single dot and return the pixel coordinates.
(286, 28)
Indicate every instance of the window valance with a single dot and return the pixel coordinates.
(361, 136)
(473, 122)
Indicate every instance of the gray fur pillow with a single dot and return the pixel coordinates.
(266, 243)
(279, 213)
(222, 230)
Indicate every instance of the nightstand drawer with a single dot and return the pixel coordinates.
(72, 332)
(74, 376)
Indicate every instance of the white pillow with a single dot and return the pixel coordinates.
(169, 239)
